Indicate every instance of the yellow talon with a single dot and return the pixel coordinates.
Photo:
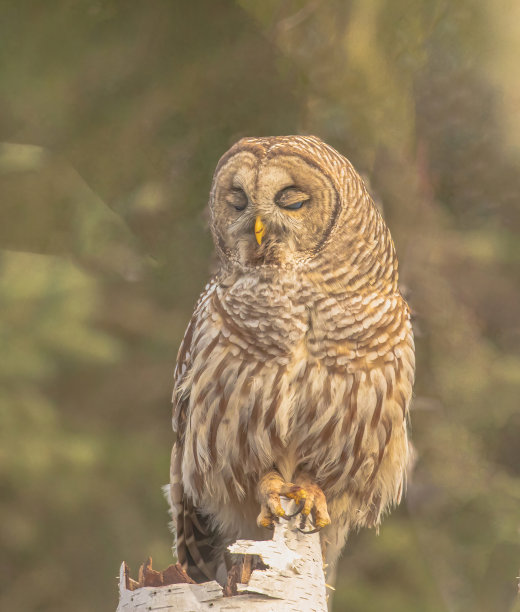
(307, 496)
(322, 522)
(298, 497)
(259, 230)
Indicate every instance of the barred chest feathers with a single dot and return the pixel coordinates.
(288, 375)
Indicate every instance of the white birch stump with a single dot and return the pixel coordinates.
(294, 580)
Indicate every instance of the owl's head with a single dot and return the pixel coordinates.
(280, 201)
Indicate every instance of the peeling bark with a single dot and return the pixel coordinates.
(293, 580)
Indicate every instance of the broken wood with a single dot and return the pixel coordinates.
(290, 578)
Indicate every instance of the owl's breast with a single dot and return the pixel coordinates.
(269, 385)
(266, 316)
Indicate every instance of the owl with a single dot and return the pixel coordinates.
(295, 373)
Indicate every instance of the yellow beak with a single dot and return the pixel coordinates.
(259, 230)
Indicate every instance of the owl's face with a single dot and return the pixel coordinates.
(271, 206)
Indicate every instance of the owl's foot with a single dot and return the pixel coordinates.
(306, 494)
(315, 502)
(270, 488)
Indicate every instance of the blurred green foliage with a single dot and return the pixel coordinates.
(112, 118)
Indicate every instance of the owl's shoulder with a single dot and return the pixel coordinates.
(184, 353)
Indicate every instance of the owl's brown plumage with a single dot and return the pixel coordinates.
(298, 363)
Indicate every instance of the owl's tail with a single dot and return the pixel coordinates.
(197, 544)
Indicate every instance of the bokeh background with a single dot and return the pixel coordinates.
(113, 115)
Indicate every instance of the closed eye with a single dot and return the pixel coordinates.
(294, 205)
(291, 198)
(237, 199)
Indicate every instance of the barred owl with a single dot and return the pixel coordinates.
(295, 373)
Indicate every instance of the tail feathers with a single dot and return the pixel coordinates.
(197, 542)
(200, 545)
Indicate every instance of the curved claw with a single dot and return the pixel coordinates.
(303, 523)
(297, 511)
(315, 530)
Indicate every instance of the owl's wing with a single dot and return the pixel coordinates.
(196, 540)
